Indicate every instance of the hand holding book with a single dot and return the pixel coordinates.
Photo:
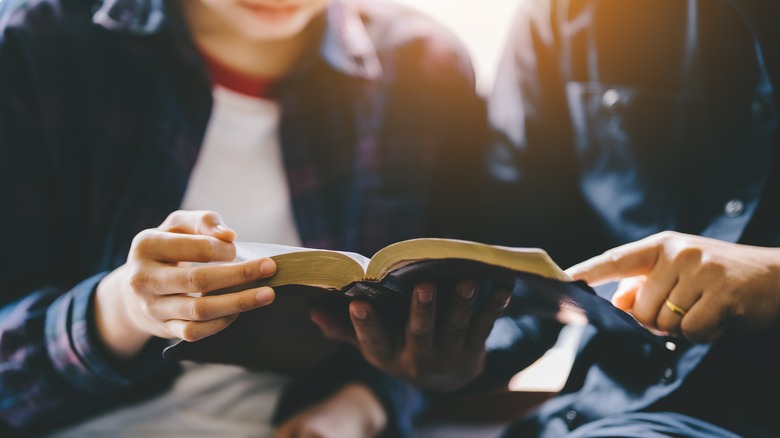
(283, 338)
(441, 349)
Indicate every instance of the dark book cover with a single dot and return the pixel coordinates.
(282, 338)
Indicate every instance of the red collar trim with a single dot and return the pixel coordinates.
(235, 80)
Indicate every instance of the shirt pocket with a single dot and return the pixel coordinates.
(631, 145)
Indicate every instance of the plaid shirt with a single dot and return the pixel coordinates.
(103, 111)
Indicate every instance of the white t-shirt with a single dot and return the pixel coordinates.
(239, 174)
(240, 171)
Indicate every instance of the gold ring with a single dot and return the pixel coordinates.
(675, 308)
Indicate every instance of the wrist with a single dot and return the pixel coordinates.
(114, 326)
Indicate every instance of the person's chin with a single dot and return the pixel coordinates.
(271, 35)
(270, 30)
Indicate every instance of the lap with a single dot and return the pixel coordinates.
(210, 400)
(651, 425)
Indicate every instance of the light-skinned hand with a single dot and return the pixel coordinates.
(150, 294)
(713, 284)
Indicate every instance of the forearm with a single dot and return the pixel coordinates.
(53, 371)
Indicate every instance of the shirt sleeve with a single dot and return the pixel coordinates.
(53, 368)
(54, 371)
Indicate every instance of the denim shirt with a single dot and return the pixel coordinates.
(638, 119)
(616, 120)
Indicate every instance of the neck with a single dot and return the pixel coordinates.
(222, 42)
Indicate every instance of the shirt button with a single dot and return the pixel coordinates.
(734, 208)
(759, 110)
(571, 416)
(671, 346)
(667, 377)
(610, 101)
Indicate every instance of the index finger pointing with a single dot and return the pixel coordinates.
(633, 259)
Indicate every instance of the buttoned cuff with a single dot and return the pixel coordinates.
(79, 356)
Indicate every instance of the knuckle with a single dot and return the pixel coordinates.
(209, 217)
(197, 280)
(712, 270)
(248, 272)
(172, 219)
(424, 312)
(687, 255)
(198, 310)
(244, 302)
(662, 241)
(613, 255)
(205, 249)
(143, 241)
(457, 324)
(423, 309)
(665, 236)
(139, 281)
(418, 335)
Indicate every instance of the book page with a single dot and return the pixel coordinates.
(254, 250)
(304, 266)
(532, 260)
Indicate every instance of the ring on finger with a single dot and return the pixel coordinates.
(675, 308)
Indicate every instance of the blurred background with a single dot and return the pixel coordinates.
(482, 25)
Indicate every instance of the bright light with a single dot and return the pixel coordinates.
(482, 25)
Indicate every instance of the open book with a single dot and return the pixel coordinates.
(281, 337)
(337, 271)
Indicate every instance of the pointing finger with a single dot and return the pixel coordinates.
(638, 258)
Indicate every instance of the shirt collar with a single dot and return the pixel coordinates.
(346, 45)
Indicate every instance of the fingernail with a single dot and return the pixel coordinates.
(267, 267)
(359, 312)
(425, 295)
(219, 228)
(265, 296)
(506, 302)
(468, 292)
